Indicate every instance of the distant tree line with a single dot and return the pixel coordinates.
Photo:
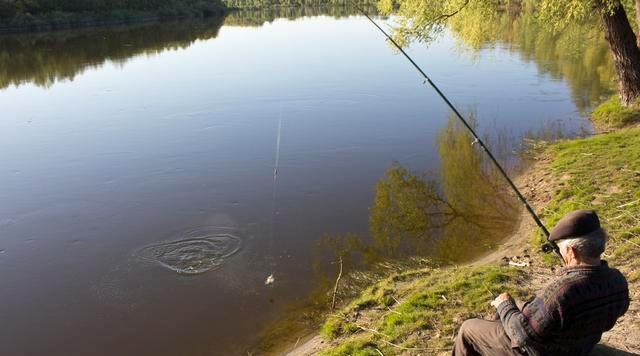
(45, 58)
(10, 8)
(42, 15)
(255, 4)
(259, 16)
(52, 14)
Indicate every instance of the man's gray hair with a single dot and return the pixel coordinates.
(591, 245)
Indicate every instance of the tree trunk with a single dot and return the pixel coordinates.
(638, 19)
(625, 52)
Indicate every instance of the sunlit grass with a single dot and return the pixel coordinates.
(601, 173)
(421, 313)
(611, 113)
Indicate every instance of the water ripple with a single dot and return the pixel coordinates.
(198, 251)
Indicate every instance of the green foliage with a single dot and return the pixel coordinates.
(385, 6)
(613, 114)
(558, 14)
(425, 19)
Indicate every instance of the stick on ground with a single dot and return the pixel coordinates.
(335, 288)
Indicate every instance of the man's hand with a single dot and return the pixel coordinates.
(501, 298)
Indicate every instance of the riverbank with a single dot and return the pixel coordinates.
(418, 312)
(22, 21)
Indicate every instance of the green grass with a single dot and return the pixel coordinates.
(601, 173)
(358, 346)
(612, 114)
(419, 312)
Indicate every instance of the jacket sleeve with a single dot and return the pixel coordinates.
(531, 324)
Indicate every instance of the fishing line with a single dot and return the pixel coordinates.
(551, 245)
(270, 278)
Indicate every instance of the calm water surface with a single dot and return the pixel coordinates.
(115, 141)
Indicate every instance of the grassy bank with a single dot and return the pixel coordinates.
(419, 311)
(611, 114)
(601, 173)
(48, 15)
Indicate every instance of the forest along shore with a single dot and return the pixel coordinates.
(51, 15)
(18, 16)
(419, 311)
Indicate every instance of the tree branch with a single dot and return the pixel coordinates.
(447, 16)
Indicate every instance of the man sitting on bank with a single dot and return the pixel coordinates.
(567, 317)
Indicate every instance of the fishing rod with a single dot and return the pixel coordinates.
(550, 245)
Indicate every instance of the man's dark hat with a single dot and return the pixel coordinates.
(575, 224)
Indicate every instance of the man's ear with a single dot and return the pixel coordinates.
(571, 253)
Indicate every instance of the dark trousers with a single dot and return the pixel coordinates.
(483, 337)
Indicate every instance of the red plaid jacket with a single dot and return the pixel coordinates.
(569, 316)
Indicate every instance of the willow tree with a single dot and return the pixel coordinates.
(425, 19)
(617, 31)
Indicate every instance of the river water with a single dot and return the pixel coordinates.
(140, 207)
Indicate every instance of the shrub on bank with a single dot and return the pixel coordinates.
(611, 113)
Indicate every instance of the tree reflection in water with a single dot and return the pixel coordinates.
(46, 58)
(579, 54)
(455, 215)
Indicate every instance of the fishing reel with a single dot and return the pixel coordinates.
(548, 248)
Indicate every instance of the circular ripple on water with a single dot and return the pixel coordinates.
(197, 251)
